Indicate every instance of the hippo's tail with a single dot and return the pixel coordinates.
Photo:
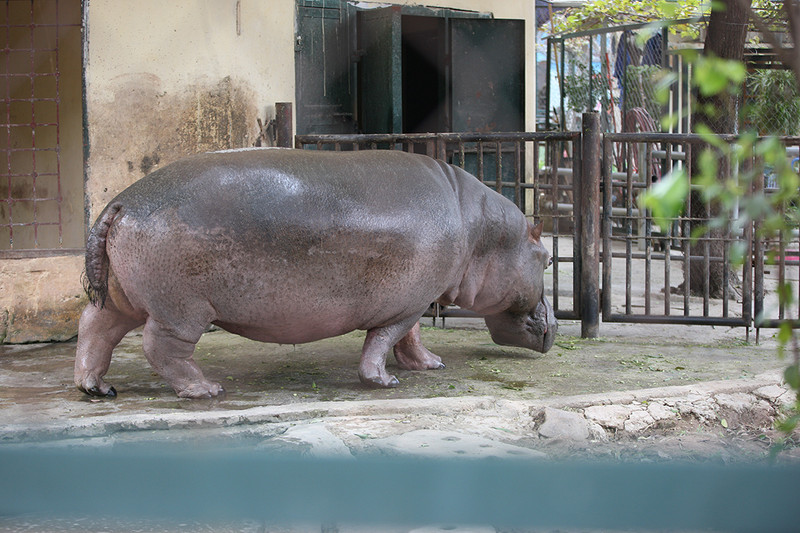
(95, 279)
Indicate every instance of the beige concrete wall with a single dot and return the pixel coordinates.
(40, 299)
(167, 78)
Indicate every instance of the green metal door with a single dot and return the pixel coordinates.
(487, 74)
(325, 87)
(379, 70)
(488, 89)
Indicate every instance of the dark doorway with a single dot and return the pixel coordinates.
(424, 79)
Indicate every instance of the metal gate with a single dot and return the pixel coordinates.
(663, 257)
(665, 274)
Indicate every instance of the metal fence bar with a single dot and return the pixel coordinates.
(590, 225)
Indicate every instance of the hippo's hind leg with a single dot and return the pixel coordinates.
(372, 368)
(412, 355)
(169, 351)
(99, 331)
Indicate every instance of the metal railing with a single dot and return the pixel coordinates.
(685, 276)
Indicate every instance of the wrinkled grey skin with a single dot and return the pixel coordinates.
(291, 246)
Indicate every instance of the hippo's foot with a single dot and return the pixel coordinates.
(97, 389)
(412, 355)
(205, 389)
(382, 381)
(378, 380)
(419, 358)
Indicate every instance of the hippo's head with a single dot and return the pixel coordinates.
(529, 322)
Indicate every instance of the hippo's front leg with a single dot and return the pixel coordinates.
(372, 368)
(412, 355)
(170, 354)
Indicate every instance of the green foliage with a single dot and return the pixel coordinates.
(773, 106)
(603, 13)
(666, 199)
(576, 89)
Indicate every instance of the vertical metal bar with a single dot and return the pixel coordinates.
(782, 267)
(34, 77)
(648, 242)
(462, 152)
(607, 178)
(629, 226)
(553, 149)
(59, 198)
(590, 227)
(758, 260)
(577, 221)
(747, 265)
(726, 242)
(687, 233)
(9, 198)
(480, 160)
(518, 176)
(562, 119)
(536, 209)
(667, 240)
(706, 264)
(546, 83)
(591, 72)
(498, 167)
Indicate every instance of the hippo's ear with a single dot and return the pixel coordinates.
(535, 232)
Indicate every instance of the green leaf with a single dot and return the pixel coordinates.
(667, 198)
(738, 252)
(724, 423)
(792, 376)
(714, 75)
(787, 425)
(784, 333)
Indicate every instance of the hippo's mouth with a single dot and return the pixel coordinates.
(535, 330)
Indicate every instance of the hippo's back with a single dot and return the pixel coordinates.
(257, 232)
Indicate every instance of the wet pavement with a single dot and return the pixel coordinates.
(39, 400)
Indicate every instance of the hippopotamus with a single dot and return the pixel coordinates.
(292, 246)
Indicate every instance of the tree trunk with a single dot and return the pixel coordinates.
(725, 39)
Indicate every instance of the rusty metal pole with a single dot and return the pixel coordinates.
(283, 124)
(591, 154)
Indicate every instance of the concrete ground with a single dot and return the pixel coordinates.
(488, 391)
(638, 393)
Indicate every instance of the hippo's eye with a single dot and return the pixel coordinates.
(549, 262)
